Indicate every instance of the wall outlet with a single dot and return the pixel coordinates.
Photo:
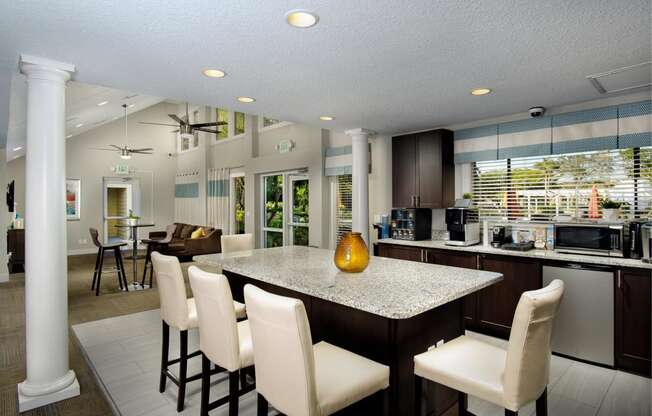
(432, 347)
(82, 241)
(440, 343)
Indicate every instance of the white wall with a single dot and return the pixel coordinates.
(156, 172)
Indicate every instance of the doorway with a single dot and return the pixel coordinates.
(285, 206)
(119, 199)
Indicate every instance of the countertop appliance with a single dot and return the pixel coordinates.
(646, 242)
(635, 244)
(602, 239)
(463, 226)
(500, 234)
(411, 224)
(584, 326)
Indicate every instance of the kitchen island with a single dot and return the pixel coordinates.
(390, 312)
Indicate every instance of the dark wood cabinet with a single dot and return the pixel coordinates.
(400, 252)
(16, 250)
(633, 320)
(423, 172)
(497, 303)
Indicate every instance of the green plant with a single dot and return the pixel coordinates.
(467, 195)
(607, 203)
(132, 215)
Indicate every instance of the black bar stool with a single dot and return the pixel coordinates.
(155, 245)
(99, 262)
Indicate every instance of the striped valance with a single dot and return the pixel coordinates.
(623, 126)
(186, 190)
(338, 160)
(218, 187)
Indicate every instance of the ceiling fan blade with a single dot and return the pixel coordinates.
(101, 148)
(144, 149)
(206, 130)
(117, 147)
(157, 124)
(141, 153)
(177, 119)
(175, 131)
(215, 123)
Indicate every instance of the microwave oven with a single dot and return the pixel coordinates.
(596, 239)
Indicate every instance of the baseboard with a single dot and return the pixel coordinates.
(80, 251)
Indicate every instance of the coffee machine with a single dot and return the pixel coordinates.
(646, 242)
(463, 226)
(635, 239)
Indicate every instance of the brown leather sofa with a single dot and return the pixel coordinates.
(185, 247)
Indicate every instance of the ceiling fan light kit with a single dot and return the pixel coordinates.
(125, 151)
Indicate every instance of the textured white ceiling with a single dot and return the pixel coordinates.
(387, 65)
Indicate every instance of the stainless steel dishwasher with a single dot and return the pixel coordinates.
(584, 326)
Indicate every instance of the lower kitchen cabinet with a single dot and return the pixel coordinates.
(400, 252)
(496, 304)
(633, 320)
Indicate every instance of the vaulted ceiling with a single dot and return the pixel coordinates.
(386, 65)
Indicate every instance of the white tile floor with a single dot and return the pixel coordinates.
(124, 352)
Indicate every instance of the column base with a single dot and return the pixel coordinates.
(26, 403)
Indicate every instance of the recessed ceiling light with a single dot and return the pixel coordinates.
(214, 73)
(79, 125)
(131, 105)
(246, 99)
(17, 148)
(480, 91)
(301, 18)
(68, 136)
(102, 103)
(326, 118)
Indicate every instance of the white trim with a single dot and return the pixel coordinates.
(228, 139)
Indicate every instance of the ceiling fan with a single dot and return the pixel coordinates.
(184, 127)
(125, 151)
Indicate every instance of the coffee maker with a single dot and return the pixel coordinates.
(463, 226)
(636, 239)
(646, 242)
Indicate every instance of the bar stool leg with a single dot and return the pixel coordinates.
(418, 382)
(99, 273)
(462, 403)
(183, 368)
(164, 356)
(117, 267)
(263, 407)
(542, 404)
(122, 268)
(148, 261)
(97, 263)
(205, 385)
(510, 413)
(233, 393)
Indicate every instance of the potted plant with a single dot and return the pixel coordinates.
(133, 218)
(610, 209)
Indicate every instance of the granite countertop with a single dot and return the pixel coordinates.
(391, 288)
(538, 254)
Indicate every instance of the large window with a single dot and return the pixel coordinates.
(222, 115)
(273, 211)
(539, 188)
(343, 206)
(239, 123)
(270, 121)
(238, 204)
(285, 209)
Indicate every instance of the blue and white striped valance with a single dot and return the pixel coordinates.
(338, 160)
(623, 126)
(218, 188)
(186, 190)
(475, 144)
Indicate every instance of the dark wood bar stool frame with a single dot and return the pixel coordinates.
(155, 245)
(99, 262)
(235, 378)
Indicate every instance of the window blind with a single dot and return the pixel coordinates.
(344, 206)
(539, 188)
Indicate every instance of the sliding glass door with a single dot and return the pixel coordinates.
(285, 209)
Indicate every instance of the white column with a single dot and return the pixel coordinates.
(360, 176)
(49, 377)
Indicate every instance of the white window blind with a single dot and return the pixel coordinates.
(538, 188)
(343, 206)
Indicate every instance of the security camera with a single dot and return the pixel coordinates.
(536, 111)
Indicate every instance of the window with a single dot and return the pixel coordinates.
(285, 210)
(222, 115)
(343, 206)
(270, 121)
(239, 123)
(273, 211)
(238, 204)
(539, 188)
(299, 223)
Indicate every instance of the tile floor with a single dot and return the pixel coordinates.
(124, 354)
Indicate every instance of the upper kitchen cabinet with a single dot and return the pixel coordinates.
(423, 172)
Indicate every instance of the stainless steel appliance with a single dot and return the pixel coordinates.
(635, 244)
(584, 326)
(590, 238)
(500, 234)
(463, 226)
(646, 242)
(411, 224)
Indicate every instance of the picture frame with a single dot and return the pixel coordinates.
(73, 199)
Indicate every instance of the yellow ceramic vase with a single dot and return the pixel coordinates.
(352, 254)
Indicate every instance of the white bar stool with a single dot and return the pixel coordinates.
(237, 242)
(296, 377)
(177, 312)
(222, 339)
(508, 378)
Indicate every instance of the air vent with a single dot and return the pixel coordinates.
(623, 79)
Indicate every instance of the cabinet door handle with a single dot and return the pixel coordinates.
(421, 255)
(418, 200)
(619, 279)
(426, 251)
(477, 262)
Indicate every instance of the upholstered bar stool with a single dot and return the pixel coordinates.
(237, 242)
(222, 339)
(296, 377)
(154, 245)
(99, 262)
(508, 378)
(177, 312)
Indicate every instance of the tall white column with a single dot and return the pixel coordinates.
(49, 377)
(360, 176)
